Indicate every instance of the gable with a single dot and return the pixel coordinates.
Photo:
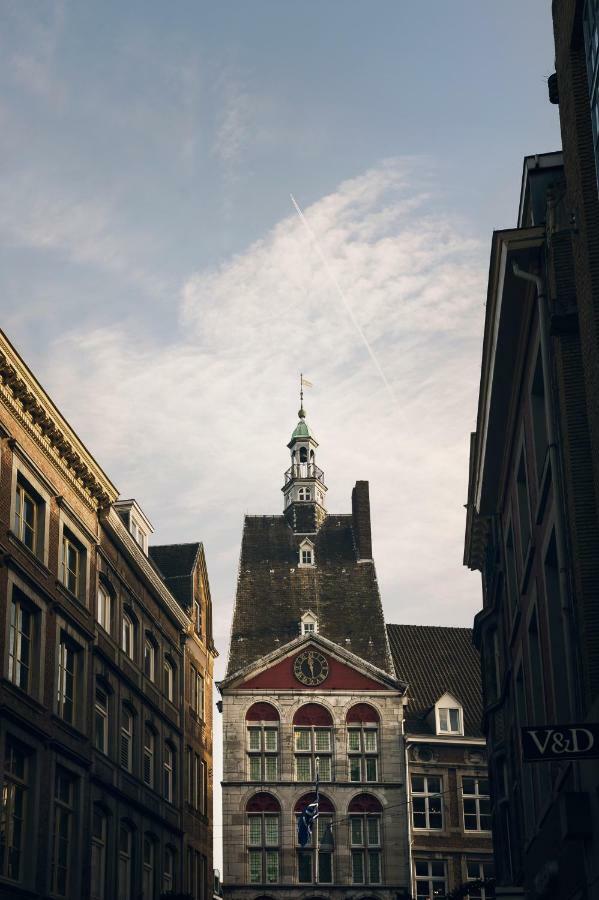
(341, 676)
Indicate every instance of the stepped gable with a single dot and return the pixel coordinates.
(434, 660)
(176, 563)
(273, 592)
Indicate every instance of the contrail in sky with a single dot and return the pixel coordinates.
(337, 287)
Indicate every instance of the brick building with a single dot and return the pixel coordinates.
(310, 677)
(449, 809)
(93, 651)
(532, 532)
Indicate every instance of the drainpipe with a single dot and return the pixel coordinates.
(560, 538)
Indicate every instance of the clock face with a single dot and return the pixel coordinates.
(311, 667)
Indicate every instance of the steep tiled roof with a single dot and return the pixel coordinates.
(273, 592)
(176, 563)
(434, 660)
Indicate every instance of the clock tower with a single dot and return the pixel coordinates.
(310, 686)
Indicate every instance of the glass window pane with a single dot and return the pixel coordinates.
(443, 722)
(357, 866)
(353, 740)
(371, 768)
(356, 830)
(325, 768)
(325, 868)
(304, 867)
(355, 773)
(373, 830)
(302, 739)
(370, 741)
(437, 869)
(418, 783)
(454, 719)
(433, 785)
(272, 768)
(272, 866)
(254, 738)
(255, 767)
(255, 860)
(468, 786)
(323, 740)
(374, 866)
(255, 830)
(270, 738)
(303, 768)
(271, 825)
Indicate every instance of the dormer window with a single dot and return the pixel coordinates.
(306, 554)
(136, 522)
(309, 623)
(139, 534)
(448, 716)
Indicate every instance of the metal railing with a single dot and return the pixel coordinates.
(304, 470)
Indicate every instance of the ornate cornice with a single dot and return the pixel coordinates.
(22, 394)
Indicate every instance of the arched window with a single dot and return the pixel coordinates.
(312, 737)
(98, 859)
(149, 657)
(128, 635)
(125, 862)
(103, 608)
(126, 749)
(148, 867)
(263, 815)
(169, 679)
(303, 454)
(149, 756)
(312, 867)
(101, 718)
(362, 742)
(306, 553)
(262, 721)
(365, 814)
(168, 766)
(304, 493)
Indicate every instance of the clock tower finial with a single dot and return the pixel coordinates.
(304, 489)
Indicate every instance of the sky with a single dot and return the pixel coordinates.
(158, 280)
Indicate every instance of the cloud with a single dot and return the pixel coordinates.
(197, 428)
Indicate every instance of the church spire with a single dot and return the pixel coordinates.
(304, 489)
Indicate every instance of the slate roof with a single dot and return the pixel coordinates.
(434, 660)
(273, 592)
(176, 563)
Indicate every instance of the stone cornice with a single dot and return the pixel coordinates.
(22, 394)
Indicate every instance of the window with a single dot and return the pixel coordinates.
(477, 812)
(263, 839)
(197, 693)
(197, 616)
(148, 771)
(125, 862)
(101, 720)
(523, 506)
(14, 811)
(20, 649)
(480, 870)
(168, 870)
(148, 870)
(27, 515)
(149, 658)
(169, 680)
(448, 714)
(312, 738)
(127, 739)
(63, 831)
(362, 749)
(103, 608)
(427, 802)
(139, 534)
(98, 860)
(72, 563)
(128, 636)
(365, 841)
(263, 750)
(169, 773)
(304, 494)
(306, 556)
(591, 44)
(309, 623)
(539, 422)
(68, 653)
(204, 789)
(430, 878)
(309, 627)
(315, 867)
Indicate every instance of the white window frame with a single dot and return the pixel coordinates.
(168, 870)
(80, 542)
(15, 784)
(17, 636)
(67, 646)
(262, 753)
(476, 797)
(427, 795)
(22, 471)
(104, 608)
(128, 628)
(363, 755)
(313, 752)
(263, 848)
(169, 679)
(149, 663)
(307, 555)
(481, 892)
(127, 734)
(101, 714)
(365, 847)
(67, 807)
(168, 766)
(149, 757)
(197, 693)
(429, 878)
(444, 706)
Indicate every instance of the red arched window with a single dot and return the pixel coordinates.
(365, 814)
(263, 815)
(262, 742)
(316, 868)
(363, 743)
(312, 741)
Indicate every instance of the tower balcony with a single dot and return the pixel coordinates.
(304, 470)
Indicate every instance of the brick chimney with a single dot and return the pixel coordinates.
(360, 508)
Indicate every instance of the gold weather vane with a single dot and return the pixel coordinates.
(303, 383)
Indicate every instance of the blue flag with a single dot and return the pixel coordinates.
(306, 820)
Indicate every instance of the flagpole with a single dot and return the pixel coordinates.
(317, 761)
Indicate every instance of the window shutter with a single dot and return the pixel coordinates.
(125, 750)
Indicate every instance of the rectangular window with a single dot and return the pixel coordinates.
(103, 609)
(14, 811)
(430, 878)
(303, 739)
(126, 754)
(67, 679)
(365, 832)
(255, 866)
(477, 810)
(255, 768)
(480, 870)
(72, 554)
(149, 758)
(427, 806)
(197, 693)
(304, 867)
(353, 740)
(197, 616)
(149, 659)
(101, 720)
(303, 768)
(272, 866)
(63, 830)
(357, 866)
(271, 768)
(169, 773)
(523, 507)
(27, 515)
(20, 642)
(98, 856)
(450, 721)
